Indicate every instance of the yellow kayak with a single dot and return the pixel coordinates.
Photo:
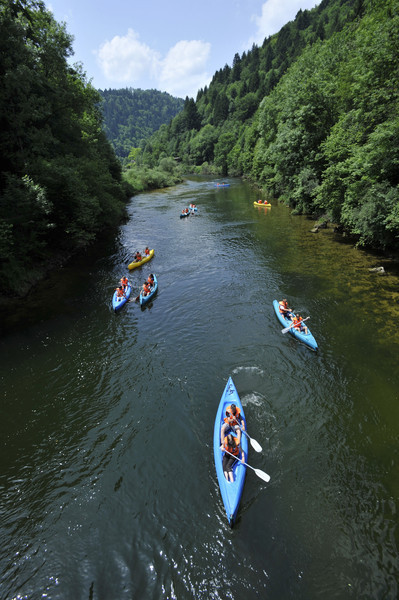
(138, 263)
(262, 204)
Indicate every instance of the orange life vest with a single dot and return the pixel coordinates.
(147, 251)
(235, 450)
(146, 288)
(281, 306)
(150, 281)
(119, 292)
(125, 281)
(230, 418)
(297, 322)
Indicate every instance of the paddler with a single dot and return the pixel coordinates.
(284, 310)
(297, 320)
(124, 282)
(120, 292)
(233, 420)
(232, 446)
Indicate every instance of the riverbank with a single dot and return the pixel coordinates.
(136, 180)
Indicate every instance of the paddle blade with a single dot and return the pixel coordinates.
(255, 445)
(262, 475)
(286, 329)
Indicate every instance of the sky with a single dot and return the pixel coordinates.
(173, 46)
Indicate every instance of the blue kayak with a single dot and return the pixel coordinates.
(183, 215)
(306, 338)
(219, 185)
(145, 299)
(231, 492)
(117, 303)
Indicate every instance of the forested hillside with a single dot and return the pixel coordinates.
(311, 115)
(60, 182)
(132, 115)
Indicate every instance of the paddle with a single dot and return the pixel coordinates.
(293, 325)
(258, 472)
(255, 445)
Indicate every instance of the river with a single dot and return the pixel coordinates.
(108, 486)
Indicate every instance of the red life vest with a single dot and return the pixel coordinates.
(119, 292)
(233, 450)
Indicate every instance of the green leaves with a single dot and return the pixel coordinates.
(60, 182)
(132, 115)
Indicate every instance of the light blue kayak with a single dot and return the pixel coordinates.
(145, 299)
(231, 492)
(117, 303)
(306, 338)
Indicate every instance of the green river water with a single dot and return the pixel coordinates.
(108, 487)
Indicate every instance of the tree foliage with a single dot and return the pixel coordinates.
(132, 115)
(60, 182)
(311, 115)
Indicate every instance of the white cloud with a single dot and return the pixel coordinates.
(275, 14)
(183, 71)
(125, 59)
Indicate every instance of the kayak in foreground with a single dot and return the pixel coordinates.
(231, 492)
(119, 301)
(138, 263)
(306, 338)
(144, 299)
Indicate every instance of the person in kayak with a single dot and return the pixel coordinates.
(137, 256)
(146, 288)
(297, 320)
(120, 292)
(124, 282)
(232, 445)
(284, 310)
(233, 420)
(150, 280)
(147, 251)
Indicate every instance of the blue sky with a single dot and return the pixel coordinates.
(173, 46)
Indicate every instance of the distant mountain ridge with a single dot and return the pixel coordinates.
(132, 115)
